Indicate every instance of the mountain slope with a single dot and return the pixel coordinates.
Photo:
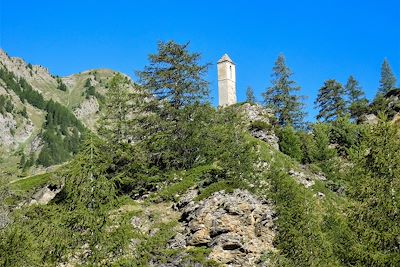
(25, 91)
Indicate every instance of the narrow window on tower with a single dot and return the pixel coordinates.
(230, 71)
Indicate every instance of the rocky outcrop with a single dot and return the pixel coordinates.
(258, 120)
(12, 132)
(87, 111)
(370, 119)
(237, 227)
(305, 177)
(36, 75)
(45, 195)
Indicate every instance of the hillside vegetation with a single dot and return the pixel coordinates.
(168, 180)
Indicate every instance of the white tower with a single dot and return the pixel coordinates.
(226, 81)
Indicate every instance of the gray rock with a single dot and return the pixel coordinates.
(255, 113)
(45, 195)
(237, 227)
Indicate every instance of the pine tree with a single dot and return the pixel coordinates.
(388, 80)
(330, 101)
(357, 103)
(175, 75)
(250, 98)
(281, 96)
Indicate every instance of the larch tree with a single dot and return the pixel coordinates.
(388, 80)
(114, 124)
(330, 101)
(357, 103)
(282, 97)
(374, 188)
(175, 75)
(250, 98)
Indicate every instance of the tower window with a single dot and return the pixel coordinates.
(230, 71)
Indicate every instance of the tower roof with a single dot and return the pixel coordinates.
(225, 58)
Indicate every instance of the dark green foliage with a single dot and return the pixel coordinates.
(323, 151)
(388, 80)
(290, 143)
(115, 122)
(330, 101)
(357, 103)
(87, 83)
(6, 106)
(308, 147)
(90, 90)
(260, 126)
(24, 91)
(345, 134)
(250, 98)
(174, 74)
(60, 85)
(380, 104)
(62, 135)
(301, 238)
(282, 97)
(79, 217)
(23, 112)
(375, 180)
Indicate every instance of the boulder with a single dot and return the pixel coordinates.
(237, 227)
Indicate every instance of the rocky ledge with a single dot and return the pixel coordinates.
(237, 227)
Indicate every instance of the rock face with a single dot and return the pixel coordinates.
(237, 227)
(87, 111)
(370, 119)
(13, 132)
(45, 195)
(257, 115)
(305, 178)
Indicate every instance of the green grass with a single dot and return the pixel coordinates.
(27, 185)
(215, 187)
(186, 179)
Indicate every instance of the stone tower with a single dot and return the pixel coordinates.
(226, 81)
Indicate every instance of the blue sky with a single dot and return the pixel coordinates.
(320, 39)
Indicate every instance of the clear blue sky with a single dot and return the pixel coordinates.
(320, 39)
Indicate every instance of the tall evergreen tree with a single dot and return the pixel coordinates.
(330, 101)
(175, 74)
(281, 95)
(114, 124)
(388, 80)
(250, 98)
(374, 188)
(357, 103)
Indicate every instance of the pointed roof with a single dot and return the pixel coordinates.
(224, 58)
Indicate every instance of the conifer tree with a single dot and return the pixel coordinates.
(290, 143)
(374, 188)
(281, 95)
(357, 103)
(114, 125)
(330, 101)
(175, 75)
(250, 98)
(388, 80)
